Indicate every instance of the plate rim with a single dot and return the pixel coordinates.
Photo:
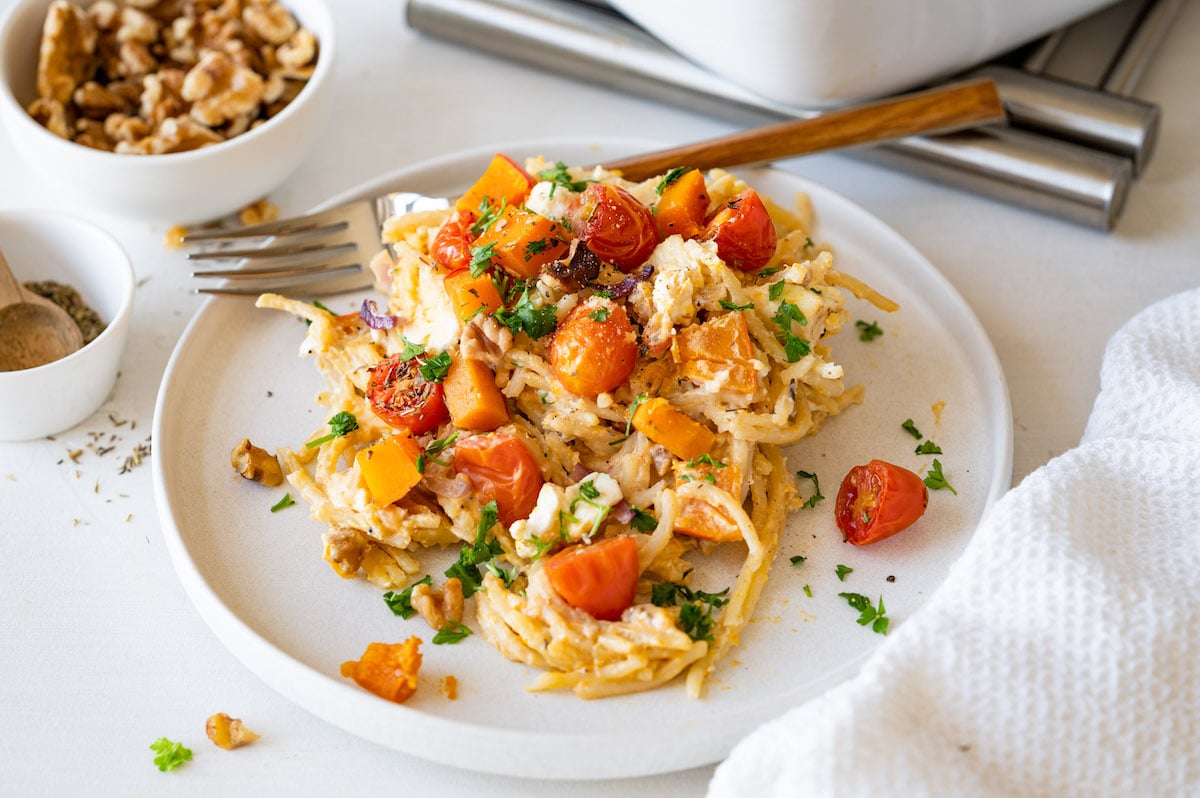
(365, 716)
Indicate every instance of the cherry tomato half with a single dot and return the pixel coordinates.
(615, 226)
(500, 467)
(599, 578)
(403, 398)
(451, 246)
(595, 348)
(744, 232)
(877, 500)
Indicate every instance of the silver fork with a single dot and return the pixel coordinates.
(328, 252)
(321, 253)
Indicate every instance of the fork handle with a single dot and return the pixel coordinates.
(939, 110)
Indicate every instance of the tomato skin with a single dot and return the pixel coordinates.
(614, 225)
(500, 467)
(403, 398)
(744, 232)
(877, 500)
(599, 578)
(590, 356)
(451, 246)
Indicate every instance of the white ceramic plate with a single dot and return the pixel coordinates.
(259, 581)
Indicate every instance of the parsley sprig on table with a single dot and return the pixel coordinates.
(868, 613)
(936, 480)
(169, 755)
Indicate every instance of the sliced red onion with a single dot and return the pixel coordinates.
(579, 472)
(374, 319)
(447, 487)
(625, 287)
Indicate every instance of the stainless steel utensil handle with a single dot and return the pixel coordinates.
(587, 43)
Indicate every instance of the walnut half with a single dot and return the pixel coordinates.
(256, 464)
(227, 732)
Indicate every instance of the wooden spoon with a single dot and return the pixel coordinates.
(33, 330)
(935, 111)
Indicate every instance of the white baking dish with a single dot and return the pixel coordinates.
(819, 53)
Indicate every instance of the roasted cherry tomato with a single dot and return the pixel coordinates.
(599, 578)
(877, 500)
(615, 226)
(744, 232)
(451, 246)
(403, 398)
(500, 467)
(595, 348)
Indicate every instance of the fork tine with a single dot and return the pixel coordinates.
(311, 223)
(354, 278)
(282, 251)
(272, 272)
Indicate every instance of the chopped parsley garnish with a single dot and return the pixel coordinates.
(411, 349)
(560, 176)
(808, 242)
(705, 459)
(507, 577)
(776, 290)
(843, 571)
(286, 501)
(643, 521)
(725, 303)
(535, 248)
(797, 560)
(599, 314)
(169, 755)
(867, 613)
(695, 613)
(868, 332)
(911, 428)
(401, 603)
(588, 490)
(928, 447)
(770, 271)
(340, 424)
(434, 369)
(433, 449)
(633, 406)
(488, 214)
(485, 547)
(524, 317)
(808, 591)
(481, 259)
(452, 632)
(935, 480)
(816, 496)
(670, 177)
(794, 346)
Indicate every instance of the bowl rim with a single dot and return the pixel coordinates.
(11, 108)
(123, 265)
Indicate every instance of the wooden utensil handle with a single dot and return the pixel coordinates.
(937, 110)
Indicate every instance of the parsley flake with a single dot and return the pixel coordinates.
(488, 214)
(671, 177)
(928, 447)
(936, 480)
(816, 496)
(797, 560)
(560, 176)
(286, 501)
(842, 572)
(434, 369)
(643, 521)
(911, 428)
(525, 317)
(411, 349)
(867, 613)
(453, 632)
(481, 259)
(169, 755)
(340, 424)
(695, 613)
(401, 603)
(725, 303)
(868, 332)
(599, 314)
(470, 557)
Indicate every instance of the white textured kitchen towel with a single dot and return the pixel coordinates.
(1061, 657)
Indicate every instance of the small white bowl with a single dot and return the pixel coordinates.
(41, 245)
(821, 53)
(177, 188)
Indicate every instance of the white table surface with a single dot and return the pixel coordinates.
(100, 650)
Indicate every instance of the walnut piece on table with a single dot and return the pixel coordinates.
(228, 733)
(256, 464)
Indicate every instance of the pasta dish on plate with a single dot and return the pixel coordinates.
(585, 384)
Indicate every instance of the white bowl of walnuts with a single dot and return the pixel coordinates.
(176, 111)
